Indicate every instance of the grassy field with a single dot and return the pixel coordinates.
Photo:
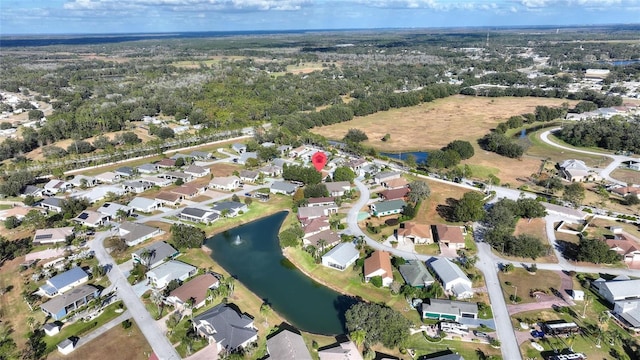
(128, 344)
(626, 175)
(524, 282)
(534, 227)
(542, 150)
(468, 350)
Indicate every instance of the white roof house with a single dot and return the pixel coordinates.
(134, 234)
(452, 278)
(228, 183)
(88, 181)
(108, 177)
(111, 209)
(144, 204)
(628, 312)
(341, 256)
(618, 290)
(162, 275)
(99, 193)
(287, 345)
(344, 351)
(91, 218)
(55, 186)
(245, 156)
(52, 235)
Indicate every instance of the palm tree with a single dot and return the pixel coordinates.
(146, 256)
(230, 283)
(31, 321)
(265, 311)
(156, 298)
(321, 244)
(358, 337)
(121, 214)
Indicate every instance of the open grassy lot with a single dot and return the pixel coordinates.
(602, 226)
(524, 282)
(468, 350)
(626, 175)
(436, 123)
(534, 227)
(433, 210)
(128, 344)
(542, 150)
(224, 169)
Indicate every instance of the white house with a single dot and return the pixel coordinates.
(56, 186)
(283, 187)
(453, 279)
(64, 282)
(133, 233)
(108, 177)
(136, 186)
(154, 254)
(113, 210)
(341, 256)
(162, 275)
(91, 218)
(245, 156)
(228, 183)
(143, 204)
(52, 235)
(618, 290)
(197, 171)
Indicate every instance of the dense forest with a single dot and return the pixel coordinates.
(613, 134)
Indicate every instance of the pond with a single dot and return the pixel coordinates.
(421, 156)
(252, 254)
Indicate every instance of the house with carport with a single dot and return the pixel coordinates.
(136, 186)
(453, 279)
(160, 276)
(144, 205)
(167, 198)
(91, 218)
(197, 171)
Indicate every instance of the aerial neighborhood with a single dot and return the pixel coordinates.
(349, 196)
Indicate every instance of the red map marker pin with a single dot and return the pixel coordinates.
(319, 159)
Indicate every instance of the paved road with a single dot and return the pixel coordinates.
(104, 328)
(159, 343)
(604, 173)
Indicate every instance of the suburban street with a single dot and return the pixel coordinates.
(157, 340)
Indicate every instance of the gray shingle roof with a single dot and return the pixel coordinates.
(287, 345)
(227, 205)
(415, 273)
(56, 304)
(53, 201)
(159, 250)
(284, 186)
(342, 253)
(449, 307)
(230, 329)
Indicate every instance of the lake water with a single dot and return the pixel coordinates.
(252, 254)
(421, 156)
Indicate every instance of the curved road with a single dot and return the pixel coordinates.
(604, 173)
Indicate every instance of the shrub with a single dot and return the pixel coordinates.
(391, 222)
(376, 281)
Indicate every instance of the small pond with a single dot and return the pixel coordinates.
(421, 156)
(252, 254)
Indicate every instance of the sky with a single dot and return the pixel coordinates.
(141, 16)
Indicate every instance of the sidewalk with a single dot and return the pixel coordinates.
(104, 328)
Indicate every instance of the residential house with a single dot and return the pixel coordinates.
(166, 163)
(634, 165)
(341, 256)
(157, 181)
(356, 165)
(56, 186)
(169, 198)
(626, 247)
(284, 149)
(283, 187)
(136, 186)
(175, 175)
(160, 276)
(83, 181)
(196, 289)
(379, 264)
(245, 156)
(452, 236)
(101, 192)
(147, 168)
(58, 307)
(52, 235)
(628, 313)
(385, 176)
(52, 204)
(324, 238)
(297, 152)
(617, 290)
(239, 148)
(205, 216)
(287, 345)
(134, 233)
(226, 328)
(271, 170)
(31, 190)
(91, 218)
(64, 282)
(395, 183)
(228, 183)
(229, 208)
(626, 190)
(452, 278)
(114, 210)
(322, 201)
(197, 171)
(108, 177)
(394, 194)
(343, 351)
(385, 208)
(564, 211)
(143, 204)
(125, 171)
(337, 188)
(176, 156)
(187, 191)
(201, 155)
(249, 176)
(438, 309)
(154, 254)
(312, 212)
(279, 162)
(415, 232)
(577, 171)
(415, 274)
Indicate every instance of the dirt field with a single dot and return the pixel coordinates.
(626, 175)
(433, 125)
(224, 169)
(128, 344)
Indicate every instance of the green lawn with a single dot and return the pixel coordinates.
(522, 282)
(82, 327)
(468, 350)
